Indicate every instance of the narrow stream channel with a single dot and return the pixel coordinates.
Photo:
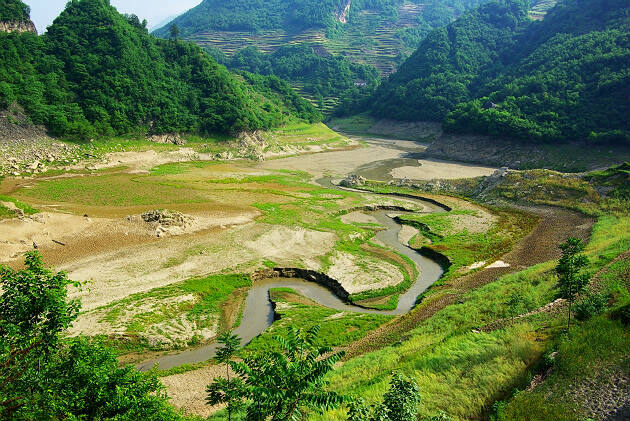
(258, 314)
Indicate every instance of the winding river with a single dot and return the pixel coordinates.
(258, 313)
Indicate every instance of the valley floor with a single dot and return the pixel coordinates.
(166, 239)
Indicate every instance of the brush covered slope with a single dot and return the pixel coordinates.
(495, 71)
(97, 72)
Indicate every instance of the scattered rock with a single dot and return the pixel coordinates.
(166, 218)
(175, 139)
(353, 180)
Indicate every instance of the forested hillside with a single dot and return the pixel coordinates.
(13, 10)
(97, 72)
(494, 71)
(376, 32)
(321, 78)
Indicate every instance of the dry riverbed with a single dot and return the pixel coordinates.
(235, 217)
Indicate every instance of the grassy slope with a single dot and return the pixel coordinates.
(462, 372)
(588, 362)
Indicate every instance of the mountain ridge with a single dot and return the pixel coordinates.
(495, 72)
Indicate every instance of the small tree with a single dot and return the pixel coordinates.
(33, 313)
(400, 403)
(279, 385)
(227, 390)
(514, 304)
(571, 280)
(174, 31)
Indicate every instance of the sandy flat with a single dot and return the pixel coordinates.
(435, 169)
(359, 274)
(333, 163)
(406, 233)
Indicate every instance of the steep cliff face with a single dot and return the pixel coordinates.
(15, 26)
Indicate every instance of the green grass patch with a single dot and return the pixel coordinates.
(26, 208)
(337, 328)
(464, 248)
(6, 213)
(111, 190)
(356, 124)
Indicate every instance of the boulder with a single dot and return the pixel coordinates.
(353, 180)
(174, 139)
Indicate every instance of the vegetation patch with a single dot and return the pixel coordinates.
(6, 212)
(462, 247)
(176, 316)
(338, 328)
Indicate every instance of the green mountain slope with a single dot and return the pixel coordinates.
(496, 72)
(97, 72)
(14, 11)
(376, 32)
(322, 79)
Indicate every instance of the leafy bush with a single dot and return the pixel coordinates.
(400, 403)
(590, 305)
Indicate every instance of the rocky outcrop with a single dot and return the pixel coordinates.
(489, 183)
(251, 145)
(353, 180)
(166, 221)
(23, 26)
(175, 139)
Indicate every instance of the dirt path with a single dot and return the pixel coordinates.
(541, 245)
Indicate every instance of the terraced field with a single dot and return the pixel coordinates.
(369, 40)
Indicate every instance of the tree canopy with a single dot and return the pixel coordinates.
(97, 72)
(13, 10)
(320, 75)
(45, 376)
(494, 71)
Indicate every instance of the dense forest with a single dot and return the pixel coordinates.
(97, 72)
(13, 10)
(494, 71)
(381, 33)
(255, 15)
(320, 75)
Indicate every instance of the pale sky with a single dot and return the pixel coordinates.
(43, 12)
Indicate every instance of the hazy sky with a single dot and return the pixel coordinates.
(43, 12)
